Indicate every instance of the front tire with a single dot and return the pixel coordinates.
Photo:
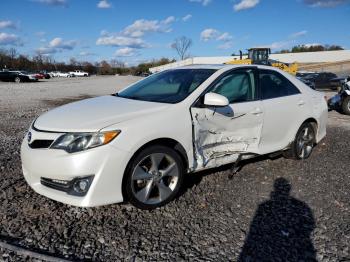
(346, 105)
(18, 79)
(153, 177)
(303, 144)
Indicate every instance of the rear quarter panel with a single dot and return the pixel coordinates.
(318, 108)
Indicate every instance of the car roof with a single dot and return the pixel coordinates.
(223, 66)
(207, 66)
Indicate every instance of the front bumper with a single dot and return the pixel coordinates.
(106, 163)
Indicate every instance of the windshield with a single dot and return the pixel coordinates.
(171, 86)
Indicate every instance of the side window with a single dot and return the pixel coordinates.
(330, 76)
(273, 85)
(238, 86)
(197, 80)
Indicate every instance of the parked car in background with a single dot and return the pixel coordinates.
(301, 74)
(307, 82)
(143, 74)
(127, 146)
(9, 76)
(62, 74)
(31, 76)
(321, 80)
(79, 73)
(53, 74)
(45, 74)
(39, 75)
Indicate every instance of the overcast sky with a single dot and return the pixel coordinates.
(138, 30)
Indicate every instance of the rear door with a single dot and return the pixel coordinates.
(221, 134)
(285, 108)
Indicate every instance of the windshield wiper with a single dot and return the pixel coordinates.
(145, 99)
(129, 97)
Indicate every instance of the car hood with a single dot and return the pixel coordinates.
(91, 115)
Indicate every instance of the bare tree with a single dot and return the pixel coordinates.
(13, 53)
(117, 63)
(105, 68)
(38, 61)
(182, 45)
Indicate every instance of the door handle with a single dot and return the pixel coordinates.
(301, 103)
(257, 111)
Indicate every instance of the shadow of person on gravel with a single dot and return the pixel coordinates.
(281, 228)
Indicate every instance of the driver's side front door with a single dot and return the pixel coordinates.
(221, 134)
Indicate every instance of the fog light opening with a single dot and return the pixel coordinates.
(81, 186)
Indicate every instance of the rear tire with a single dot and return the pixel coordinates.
(303, 144)
(153, 177)
(18, 79)
(346, 105)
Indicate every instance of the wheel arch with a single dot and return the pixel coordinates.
(169, 142)
(289, 151)
(165, 141)
(313, 122)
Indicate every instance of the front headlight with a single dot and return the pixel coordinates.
(75, 142)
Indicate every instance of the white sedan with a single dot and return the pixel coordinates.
(79, 73)
(139, 144)
(63, 74)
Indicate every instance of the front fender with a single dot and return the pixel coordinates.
(171, 124)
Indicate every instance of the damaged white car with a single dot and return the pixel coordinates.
(137, 145)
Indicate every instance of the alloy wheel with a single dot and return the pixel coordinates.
(305, 142)
(154, 178)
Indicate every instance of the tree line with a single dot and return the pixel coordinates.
(311, 48)
(10, 59)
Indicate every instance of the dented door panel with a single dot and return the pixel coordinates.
(222, 134)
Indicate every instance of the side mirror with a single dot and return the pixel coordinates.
(213, 99)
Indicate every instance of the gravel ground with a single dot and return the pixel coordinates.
(272, 210)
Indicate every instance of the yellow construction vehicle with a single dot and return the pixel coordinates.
(260, 56)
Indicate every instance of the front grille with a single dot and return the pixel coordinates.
(40, 144)
(62, 185)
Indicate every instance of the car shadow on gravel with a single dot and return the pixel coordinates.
(280, 229)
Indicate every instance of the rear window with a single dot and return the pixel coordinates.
(273, 85)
